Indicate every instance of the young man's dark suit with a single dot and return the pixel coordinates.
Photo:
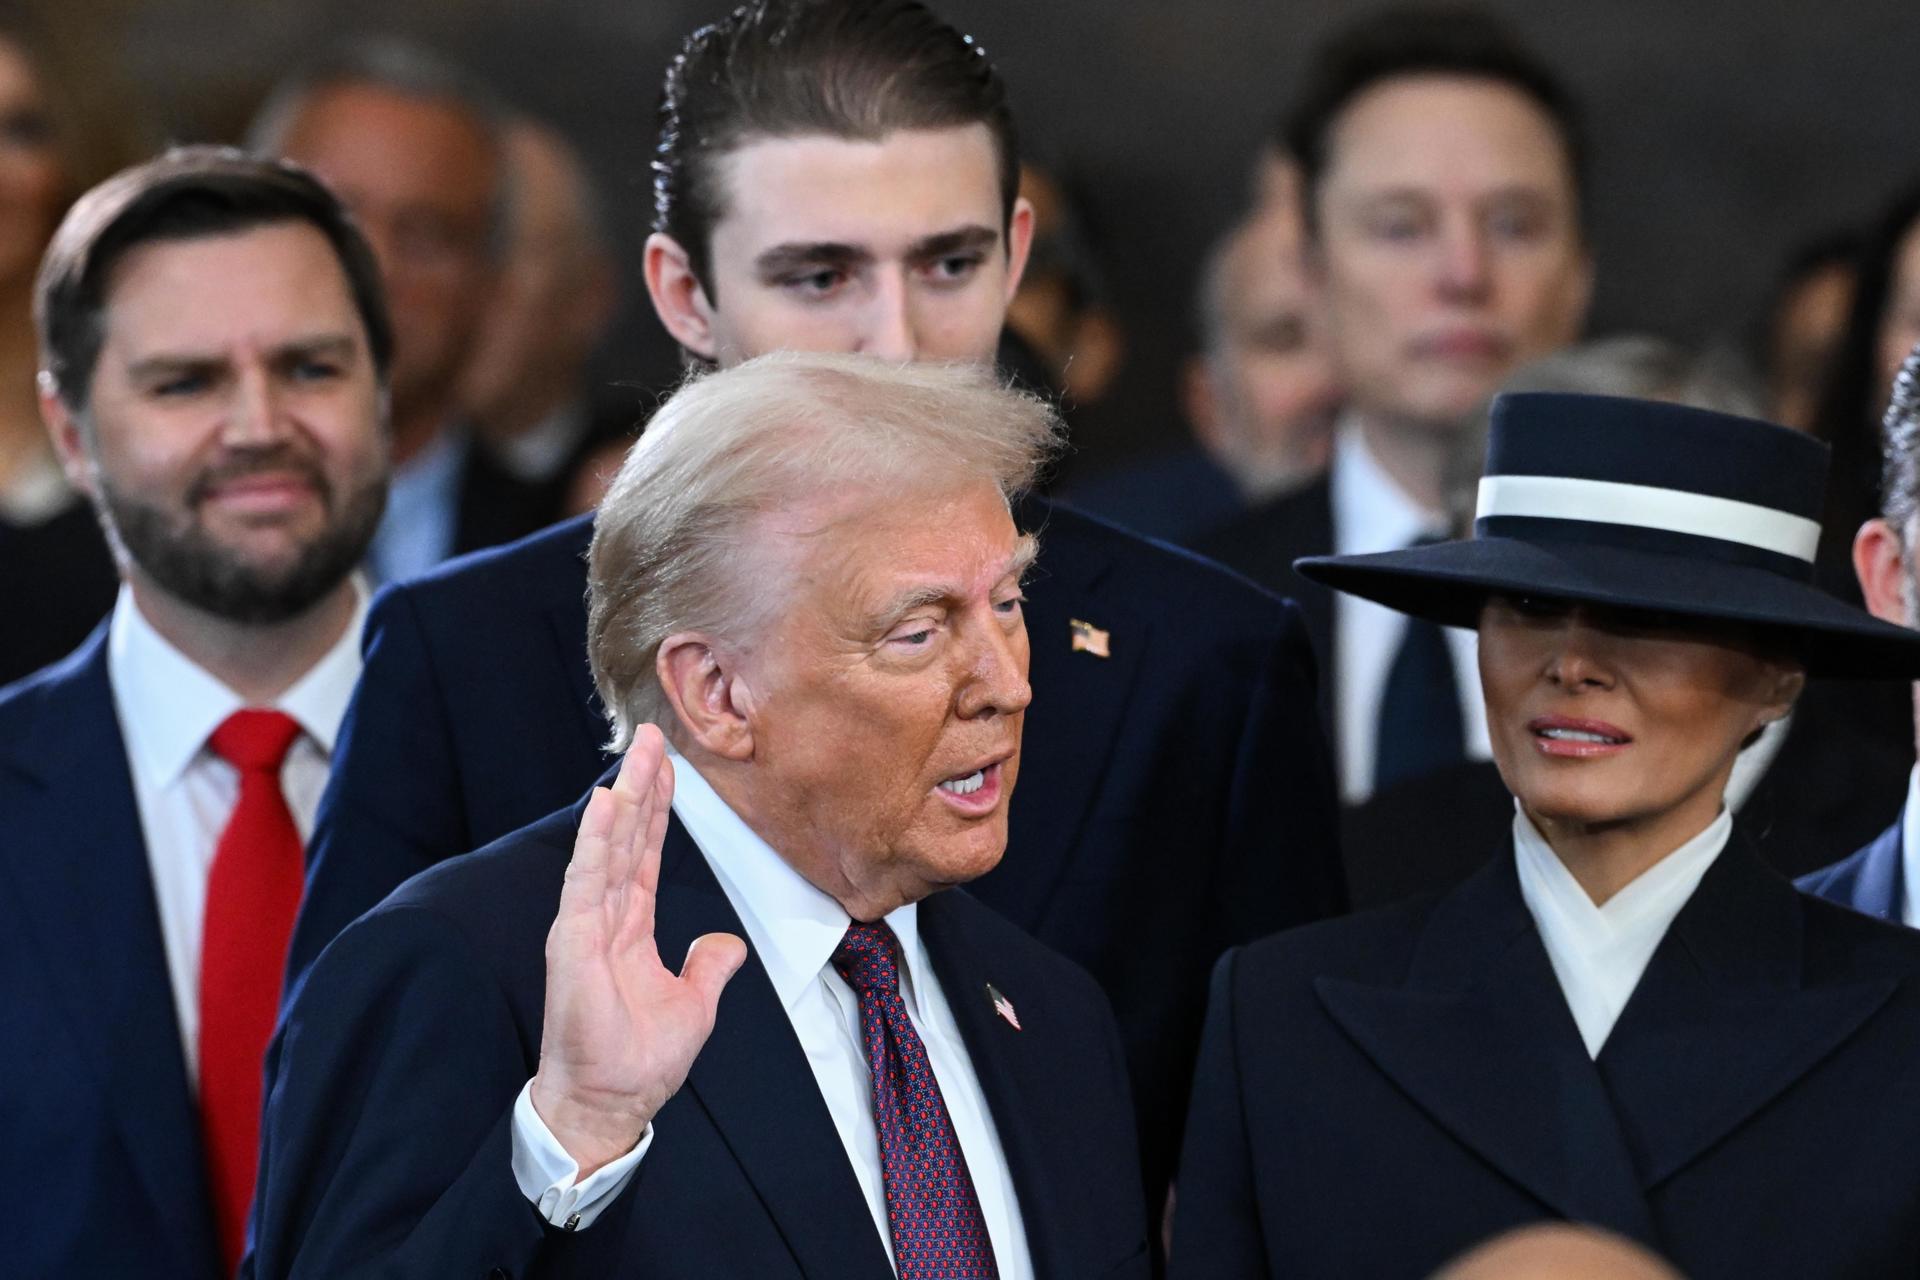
(1263, 544)
(1872, 879)
(101, 1167)
(393, 1078)
(1175, 798)
(1378, 1093)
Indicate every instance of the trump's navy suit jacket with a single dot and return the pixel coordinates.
(1377, 1094)
(393, 1076)
(101, 1168)
(1175, 797)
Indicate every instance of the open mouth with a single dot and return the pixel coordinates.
(1562, 736)
(975, 792)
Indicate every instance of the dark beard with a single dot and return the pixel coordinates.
(185, 562)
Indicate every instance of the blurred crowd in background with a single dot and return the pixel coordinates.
(512, 289)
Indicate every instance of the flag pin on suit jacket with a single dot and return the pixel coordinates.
(1088, 638)
(1003, 1006)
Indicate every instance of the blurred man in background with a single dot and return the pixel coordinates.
(1260, 395)
(1441, 170)
(525, 380)
(414, 148)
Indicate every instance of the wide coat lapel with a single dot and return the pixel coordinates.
(1721, 1024)
(1079, 705)
(753, 1081)
(1016, 1067)
(76, 854)
(1480, 1037)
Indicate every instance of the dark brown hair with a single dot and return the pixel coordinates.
(856, 69)
(188, 193)
(1421, 41)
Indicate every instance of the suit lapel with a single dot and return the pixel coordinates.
(1720, 1024)
(1079, 705)
(753, 1081)
(79, 858)
(1480, 1037)
(1016, 1069)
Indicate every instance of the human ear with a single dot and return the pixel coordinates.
(1880, 562)
(679, 299)
(69, 440)
(708, 695)
(1019, 243)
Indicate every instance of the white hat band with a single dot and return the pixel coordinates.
(1647, 507)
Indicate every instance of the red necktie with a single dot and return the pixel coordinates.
(938, 1230)
(252, 894)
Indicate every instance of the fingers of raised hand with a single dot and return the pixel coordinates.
(586, 883)
(711, 961)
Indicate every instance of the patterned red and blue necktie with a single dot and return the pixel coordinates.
(938, 1232)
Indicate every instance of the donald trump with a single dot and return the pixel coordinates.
(806, 630)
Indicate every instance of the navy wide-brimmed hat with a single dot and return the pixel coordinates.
(1639, 505)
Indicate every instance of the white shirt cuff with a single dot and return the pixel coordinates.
(550, 1178)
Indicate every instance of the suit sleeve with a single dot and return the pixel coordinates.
(1281, 866)
(392, 806)
(386, 1143)
(1216, 1218)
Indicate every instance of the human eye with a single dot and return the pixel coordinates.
(1394, 223)
(1010, 607)
(1535, 606)
(913, 636)
(823, 282)
(316, 369)
(1518, 223)
(955, 268)
(179, 386)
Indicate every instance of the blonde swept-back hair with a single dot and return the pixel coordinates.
(672, 541)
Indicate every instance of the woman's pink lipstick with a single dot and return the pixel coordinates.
(1569, 738)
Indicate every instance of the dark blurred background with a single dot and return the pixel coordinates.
(1724, 132)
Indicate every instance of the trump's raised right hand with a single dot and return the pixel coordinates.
(621, 1030)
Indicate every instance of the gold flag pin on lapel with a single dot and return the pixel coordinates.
(1003, 1006)
(1088, 638)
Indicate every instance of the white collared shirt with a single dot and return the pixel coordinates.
(1599, 953)
(168, 706)
(1372, 513)
(1910, 852)
(794, 928)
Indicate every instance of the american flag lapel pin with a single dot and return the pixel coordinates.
(1088, 638)
(1003, 1006)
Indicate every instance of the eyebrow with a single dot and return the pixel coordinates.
(336, 345)
(882, 619)
(801, 255)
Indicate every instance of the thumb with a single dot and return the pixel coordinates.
(711, 961)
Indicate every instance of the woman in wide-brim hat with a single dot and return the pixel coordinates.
(1626, 1018)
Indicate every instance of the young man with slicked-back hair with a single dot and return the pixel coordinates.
(813, 194)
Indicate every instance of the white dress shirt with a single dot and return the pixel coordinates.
(1600, 952)
(168, 706)
(1910, 852)
(1372, 513)
(794, 929)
